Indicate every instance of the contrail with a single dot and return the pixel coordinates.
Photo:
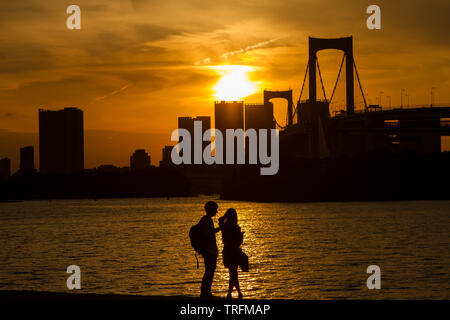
(113, 93)
(240, 51)
(249, 48)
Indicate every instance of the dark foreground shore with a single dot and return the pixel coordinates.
(79, 304)
(62, 296)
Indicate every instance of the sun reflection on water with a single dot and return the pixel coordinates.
(300, 251)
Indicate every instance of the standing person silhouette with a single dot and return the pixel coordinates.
(210, 251)
(232, 238)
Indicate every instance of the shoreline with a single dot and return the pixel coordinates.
(17, 295)
(217, 197)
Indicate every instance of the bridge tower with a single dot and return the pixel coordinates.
(343, 44)
(287, 95)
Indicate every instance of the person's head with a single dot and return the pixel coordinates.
(211, 208)
(230, 217)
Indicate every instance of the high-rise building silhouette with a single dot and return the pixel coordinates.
(229, 115)
(259, 116)
(139, 160)
(166, 156)
(188, 124)
(5, 168)
(27, 160)
(61, 140)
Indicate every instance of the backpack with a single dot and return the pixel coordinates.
(197, 238)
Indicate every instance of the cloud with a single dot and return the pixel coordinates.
(112, 93)
(226, 55)
(143, 53)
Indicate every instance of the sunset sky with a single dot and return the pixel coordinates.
(137, 65)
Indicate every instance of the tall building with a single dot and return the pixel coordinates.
(229, 115)
(5, 168)
(139, 160)
(61, 141)
(259, 116)
(166, 156)
(27, 160)
(188, 124)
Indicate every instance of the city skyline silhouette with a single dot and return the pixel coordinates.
(137, 82)
(173, 151)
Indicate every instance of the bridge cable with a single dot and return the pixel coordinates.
(320, 75)
(279, 125)
(287, 115)
(360, 86)
(301, 91)
(339, 74)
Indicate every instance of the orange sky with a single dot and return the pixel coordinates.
(136, 65)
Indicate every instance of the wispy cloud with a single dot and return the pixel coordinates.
(226, 55)
(113, 93)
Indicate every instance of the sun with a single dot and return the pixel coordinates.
(234, 83)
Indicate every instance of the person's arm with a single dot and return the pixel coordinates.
(240, 237)
(221, 222)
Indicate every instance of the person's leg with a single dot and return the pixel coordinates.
(233, 279)
(213, 265)
(230, 283)
(237, 285)
(210, 267)
(203, 290)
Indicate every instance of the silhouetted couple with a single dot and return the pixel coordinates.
(232, 238)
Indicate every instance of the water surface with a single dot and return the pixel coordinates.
(297, 251)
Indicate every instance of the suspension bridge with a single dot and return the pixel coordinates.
(312, 132)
